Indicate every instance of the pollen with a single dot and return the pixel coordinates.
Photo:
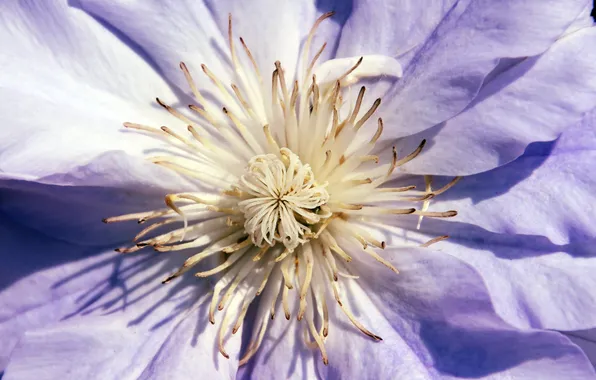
(292, 189)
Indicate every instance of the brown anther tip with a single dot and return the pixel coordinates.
(241, 40)
(360, 60)
(225, 110)
(224, 354)
(383, 245)
(105, 220)
(212, 320)
(141, 221)
(160, 102)
(335, 278)
(325, 361)
(272, 316)
(451, 213)
(119, 250)
(166, 281)
(220, 307)
(378, 338)
(288, 316)
(411, 211)
(235, 330)
(422, 143)
(182, 65)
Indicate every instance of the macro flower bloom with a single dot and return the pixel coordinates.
(382, 191)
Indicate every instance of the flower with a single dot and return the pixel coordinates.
(285, 206)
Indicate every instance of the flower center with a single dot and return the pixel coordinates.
(299, 194)
(283, 200)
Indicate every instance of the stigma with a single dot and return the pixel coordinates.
(294, 190)
(281, 200)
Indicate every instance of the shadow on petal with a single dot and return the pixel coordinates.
(487, 185)
(471, 353)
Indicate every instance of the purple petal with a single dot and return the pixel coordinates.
(389, 28)
(113, 184)
(436, 321)
(448, 71)
(584, 20)
(58, 286)
(441, 309)
(73, 352)
(532, 101)
(283, 353)
(196, 32)
(113, 351)
(548, 191)
(538, 265)
(67, 85)
(532, 282)
(586, 340)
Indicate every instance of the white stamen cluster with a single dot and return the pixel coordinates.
(299, 190)
(284, 200)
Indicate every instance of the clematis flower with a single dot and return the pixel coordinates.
(389, 190)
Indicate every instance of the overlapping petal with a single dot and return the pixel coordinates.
(449, 70)
(586, 340)
(436, 321)
(391, 28)
(549, 191)
(535, 100)
(70, 206)
(532, 282)
(67, 85)
(63, 300)
(527, 228)
(196, 32)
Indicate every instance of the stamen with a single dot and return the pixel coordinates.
(252, 60)
(378, 133)
(350, 70)
(357, 105)
(447, 186)
(142, 127)
(231, 260)
(412, 155)
(368, 114)
(176, 114)
(191, 83)
(435, 240)
(430, 214)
